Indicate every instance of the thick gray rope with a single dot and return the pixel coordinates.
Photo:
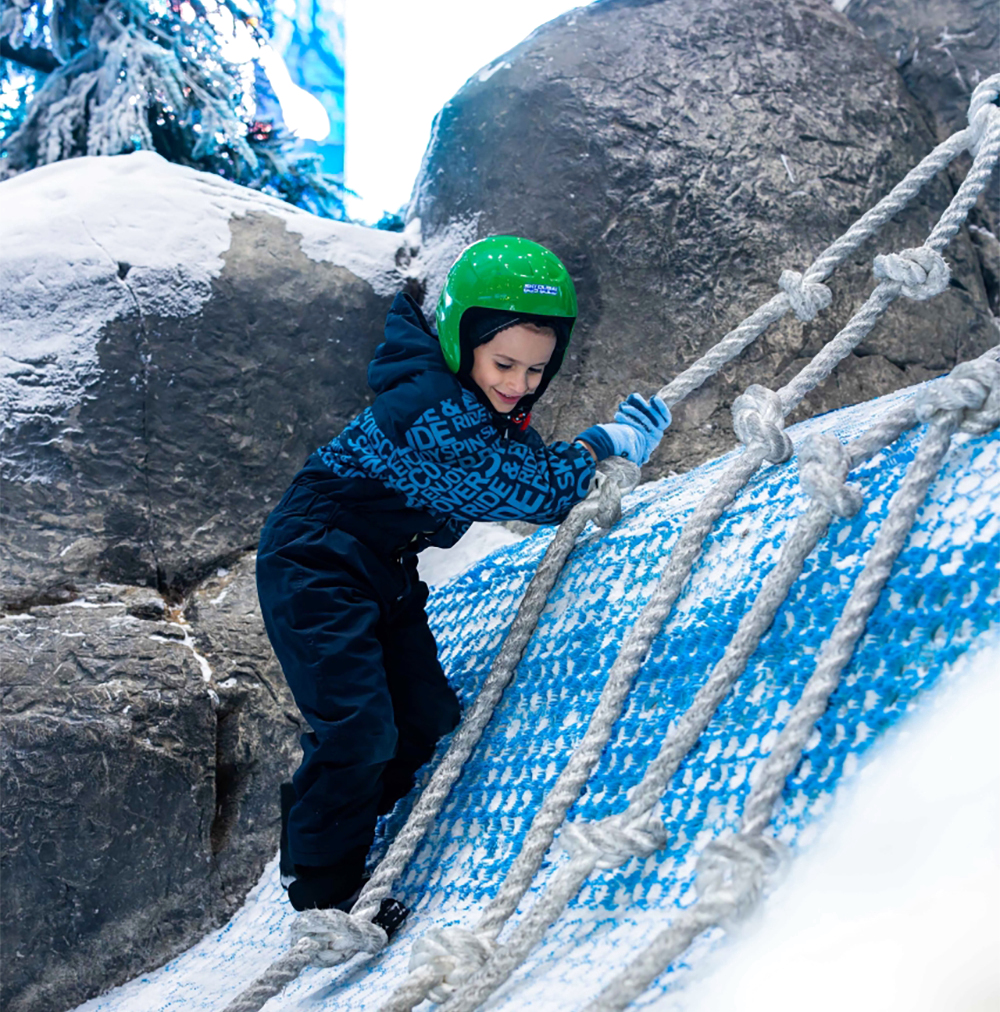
(275, 978)
(671, 942)
(319, 937)
(824, 463)
(805, 293)
(336, 936)
(736, 872)
(738, 868)
(973, 388)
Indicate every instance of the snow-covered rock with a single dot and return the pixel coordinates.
(174, 346)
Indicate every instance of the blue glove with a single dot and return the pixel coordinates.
(634, 434)
(652, 417)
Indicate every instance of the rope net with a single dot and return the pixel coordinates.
(461, 967)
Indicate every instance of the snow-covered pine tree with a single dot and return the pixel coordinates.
(104, 77)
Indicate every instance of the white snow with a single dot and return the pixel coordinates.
(487, 72)
(66, 227)
(895, 907)
(438, 565)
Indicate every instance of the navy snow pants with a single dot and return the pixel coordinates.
(350, 631)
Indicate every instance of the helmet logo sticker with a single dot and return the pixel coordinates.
(541, 290)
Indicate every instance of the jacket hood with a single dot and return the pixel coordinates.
(410, 347)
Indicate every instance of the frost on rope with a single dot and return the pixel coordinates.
(57, 235)
(942, 598)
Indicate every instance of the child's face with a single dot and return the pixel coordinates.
(511, 364)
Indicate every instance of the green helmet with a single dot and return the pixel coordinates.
(508, 273)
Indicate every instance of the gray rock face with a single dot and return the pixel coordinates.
(258, 724)
(943, 49)
(175, 346)
(139, 782)
(678, 156)
(192, 413)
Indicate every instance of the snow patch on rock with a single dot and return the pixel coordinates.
(438, 252)
(439, 565)
(90, 240)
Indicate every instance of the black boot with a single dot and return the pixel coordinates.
(335, 885)
(332, 885)
(390, 916)
(323, 889)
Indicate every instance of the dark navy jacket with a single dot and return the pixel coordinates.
(430, 456)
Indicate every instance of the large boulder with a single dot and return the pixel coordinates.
(141, 757)
(175, 345)
(943, 49)
(678, 155)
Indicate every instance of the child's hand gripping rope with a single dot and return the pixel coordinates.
(634, 434)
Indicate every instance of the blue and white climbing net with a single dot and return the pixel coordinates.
(942, 598)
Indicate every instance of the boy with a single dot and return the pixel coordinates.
(446, 442)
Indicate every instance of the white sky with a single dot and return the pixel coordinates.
(404, 60)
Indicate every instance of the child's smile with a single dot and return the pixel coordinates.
(511, 365)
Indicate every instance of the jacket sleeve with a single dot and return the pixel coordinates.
(452, 461)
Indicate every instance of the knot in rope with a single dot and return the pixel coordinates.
(609, 843)
(971, 387)
(824, 462)
(603, 504)
(806, 298)
(733, 871)
(921, 272)
(981, 106)
(455, 953)
(337, 935)
(758, 418)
